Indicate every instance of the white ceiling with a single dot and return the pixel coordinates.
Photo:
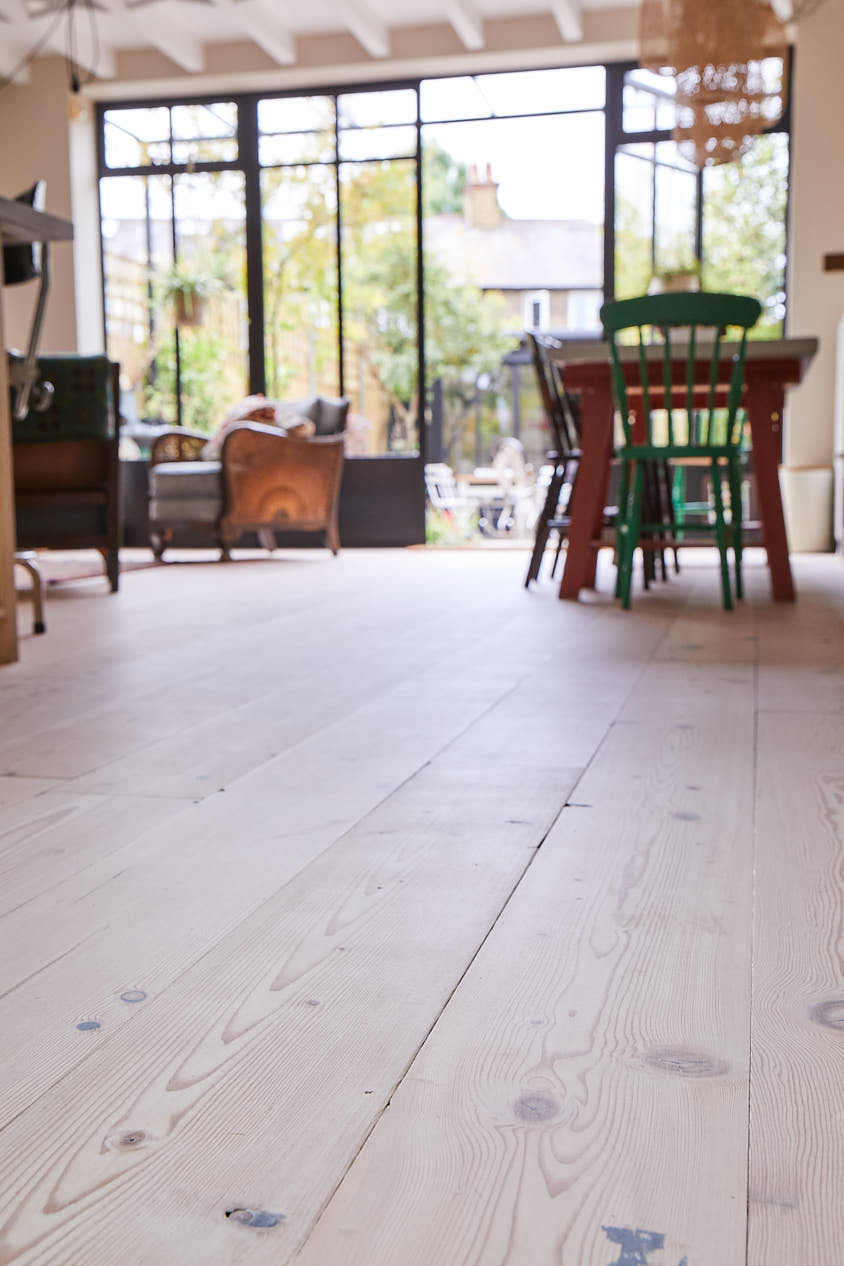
(183, 29)
(187, 31)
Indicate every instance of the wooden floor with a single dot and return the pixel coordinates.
(375, 912)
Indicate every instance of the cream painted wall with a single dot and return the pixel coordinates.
(816, 298)
(33, 146)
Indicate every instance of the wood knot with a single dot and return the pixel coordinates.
(830, 1014)
(536, 1106)
(133, 995)
(254, 1217)
(683, 1062)
(87, 1026)
(126, 1140)
(132, 1139)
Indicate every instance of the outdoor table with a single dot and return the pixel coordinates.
(771, 366)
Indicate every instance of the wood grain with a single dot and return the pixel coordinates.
(797, 1097)
(347, 1000)
(591, 1070)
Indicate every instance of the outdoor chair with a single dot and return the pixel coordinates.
(672, 411)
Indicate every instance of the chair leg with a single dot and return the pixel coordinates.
(634, 524)
(266, 537)
(111, 558)
(549, 509)
(332, 537)
(159, 542)
(736, 523)
(561, 539)
(29, 564)
(721, 535)
(623, 514)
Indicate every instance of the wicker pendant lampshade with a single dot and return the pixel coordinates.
(727, 87)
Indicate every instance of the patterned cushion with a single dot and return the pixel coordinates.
(82, 406)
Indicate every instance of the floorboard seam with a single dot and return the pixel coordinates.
(756, 710)
(479, 947)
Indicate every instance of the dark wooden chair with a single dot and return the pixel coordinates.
(65, 462)
(562, 415)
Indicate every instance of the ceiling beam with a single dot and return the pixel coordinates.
(261, 24)
(467, 22)
(159, 29)
(369, 31)
(568, 14)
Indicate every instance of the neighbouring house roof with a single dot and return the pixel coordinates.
(519, 254)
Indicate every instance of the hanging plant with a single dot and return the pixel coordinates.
(188, 292)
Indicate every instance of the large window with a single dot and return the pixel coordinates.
(724, 226)
(392, 243)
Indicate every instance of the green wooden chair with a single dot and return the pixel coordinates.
(696, 416)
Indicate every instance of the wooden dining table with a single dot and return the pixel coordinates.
(771, 366)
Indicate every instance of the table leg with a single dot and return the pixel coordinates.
(587, 510)
(765, 410)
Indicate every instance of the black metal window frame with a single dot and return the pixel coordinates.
(617, 138)
(247, 162)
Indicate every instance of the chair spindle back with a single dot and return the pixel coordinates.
(667, 313)
(560, 409)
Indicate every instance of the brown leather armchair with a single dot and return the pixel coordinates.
(264, 482)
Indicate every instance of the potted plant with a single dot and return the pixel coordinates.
(671, 280)
(187, 291)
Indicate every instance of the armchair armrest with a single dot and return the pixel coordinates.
(177, 445)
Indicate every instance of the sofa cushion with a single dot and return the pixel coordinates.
(329, 415)
(189, 491)
(186, 479)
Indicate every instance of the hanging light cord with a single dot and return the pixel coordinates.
(67, 9)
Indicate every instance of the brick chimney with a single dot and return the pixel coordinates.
(480, 200)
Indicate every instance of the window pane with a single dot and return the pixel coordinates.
(296, 114)
(205, 151)
(676, 209)
(296, 147)
(380, 142)
(378, 215)
(137, 238)
(458, 98)
(744, 228)
(634, 207)
(137, 138)
(205, 134)
(371, 109)
(544, 91)
(300, 282)
(528, 189)
(193, 121)
(648, 102)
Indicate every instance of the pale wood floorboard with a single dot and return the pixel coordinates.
(382, 895)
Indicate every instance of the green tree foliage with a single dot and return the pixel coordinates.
(744, 228)
(443, 181)
(464, 341)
